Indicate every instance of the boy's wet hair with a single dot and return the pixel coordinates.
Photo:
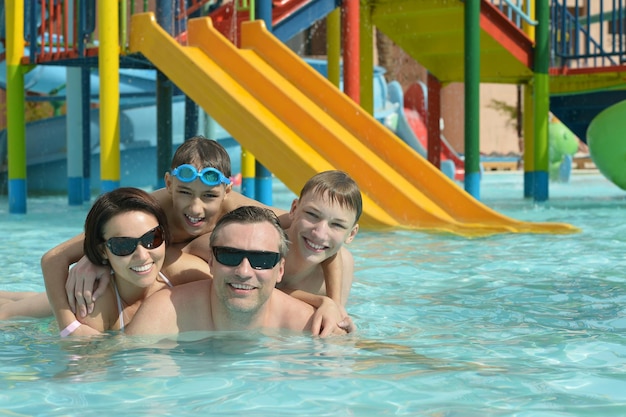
(202, 153)
(339, 187)
(111, 204)
(251, 215)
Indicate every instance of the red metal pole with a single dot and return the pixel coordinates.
(434, 114)
(351, 49)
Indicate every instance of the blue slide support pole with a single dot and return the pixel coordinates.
(74, 137)
(74, 125)
(263, 179)
(164, 90)
(86, 131)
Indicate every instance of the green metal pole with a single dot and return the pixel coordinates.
(529, 140)
(472, 97)
(541, 102)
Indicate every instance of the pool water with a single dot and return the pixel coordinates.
(507, 325)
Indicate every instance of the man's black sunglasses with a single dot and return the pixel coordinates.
(233, 257)
(123, 246)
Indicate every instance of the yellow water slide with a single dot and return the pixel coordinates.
(297, 124)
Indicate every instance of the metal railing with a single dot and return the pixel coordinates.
(588, 34)
(519, 12)
(584, 33)
(64, 29)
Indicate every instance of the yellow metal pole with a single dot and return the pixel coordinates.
(529, 8)
(109, 95)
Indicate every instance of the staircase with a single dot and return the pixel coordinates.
(587, 70)
(432, 33)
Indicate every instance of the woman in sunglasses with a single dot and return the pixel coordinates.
(127, 231)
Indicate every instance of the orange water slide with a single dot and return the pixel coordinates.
(297, 124)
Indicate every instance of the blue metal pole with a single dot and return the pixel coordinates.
(263, 180)
(164, 89)
(74, 137)
(86, 131)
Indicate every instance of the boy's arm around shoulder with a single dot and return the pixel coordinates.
(339, 275)
(347, 276)
(333, 277)
(181, 268)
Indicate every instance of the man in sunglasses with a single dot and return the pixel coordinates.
(248, 248)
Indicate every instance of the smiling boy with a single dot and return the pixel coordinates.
(323, 219)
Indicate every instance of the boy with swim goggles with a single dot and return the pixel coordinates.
(209, 176)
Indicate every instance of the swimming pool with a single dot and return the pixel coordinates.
(508, 325)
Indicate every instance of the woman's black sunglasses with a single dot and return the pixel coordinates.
(258, 259)
(123, 246)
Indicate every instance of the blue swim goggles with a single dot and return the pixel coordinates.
(209, 176)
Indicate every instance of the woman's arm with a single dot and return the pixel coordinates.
(54, 266)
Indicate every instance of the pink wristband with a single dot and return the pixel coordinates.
(70, 328)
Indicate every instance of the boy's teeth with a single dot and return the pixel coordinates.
(315, 246)
(194, 219)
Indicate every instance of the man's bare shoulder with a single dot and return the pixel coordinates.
(291, 313)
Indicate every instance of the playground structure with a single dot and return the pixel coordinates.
(419, 187)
